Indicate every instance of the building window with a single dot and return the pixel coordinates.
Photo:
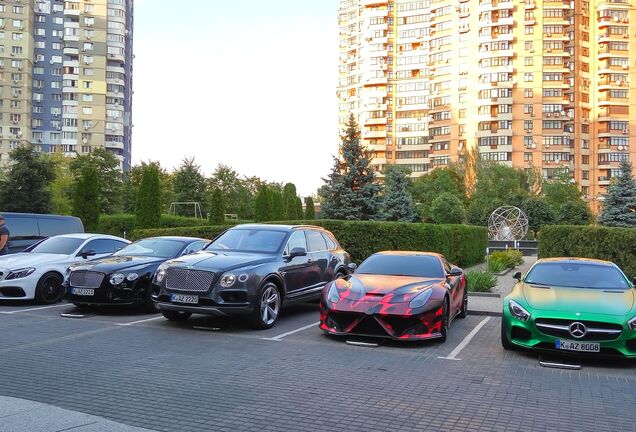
(528, 77)
(527, 93)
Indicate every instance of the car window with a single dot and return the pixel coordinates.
(403, 265)
(447, 266)
(316, 241)
(153, 247)
(250, 240)
(296, 240)
(119, 245)
(194, 247)
(331, 244)
(22, 227)
(100, 246)
(58, 245)
(55, 226)
(577, 275)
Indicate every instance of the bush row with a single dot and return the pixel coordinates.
(612, 244)
(118, 224)
(499, 261)
(461, 244)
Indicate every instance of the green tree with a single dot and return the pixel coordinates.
(310, 209)
(559, 190)
(109, 177)
(539, 213)
(299, 208)
(189, 186)
(397, 201)
(237, 194)
(86, 198)
(426, 188)
(62, 184)
(148, 207)
(263, 205)
(289, 202)
(26, 187)
(447, 208)
(217, 207)
(574, 213)
(278, 207)
(350, 190)
(132, 181)
(619, 207)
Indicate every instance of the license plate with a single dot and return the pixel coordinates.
(83, 292)
(180, 298)
(569, 345)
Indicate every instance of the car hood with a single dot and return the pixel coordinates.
(117, 263)
(569, 300)
(222, 261)
(392, 289)
(28, 259)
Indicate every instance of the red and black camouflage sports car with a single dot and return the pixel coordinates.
(399, 295)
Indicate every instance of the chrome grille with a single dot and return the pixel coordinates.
(595, 330)
(189, 280)
(86, 279)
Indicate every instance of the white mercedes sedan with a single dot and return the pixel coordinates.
(38, 274)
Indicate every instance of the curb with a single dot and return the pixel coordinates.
(484, 313)
(505, 272)
(480, 294)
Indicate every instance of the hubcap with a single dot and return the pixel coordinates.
(270, 305)
(51, 289)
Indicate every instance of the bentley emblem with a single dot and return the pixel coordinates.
(578, 329)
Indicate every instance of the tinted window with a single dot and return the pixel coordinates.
(119, 244)
(100, 246)
(403, 265)
(575, 275)
(194, 247)
(22, 226)
(55, 226)
(331, 244)
(58, 245)
(161, 248)
(297, 240)
(316, 241)
(249, 240)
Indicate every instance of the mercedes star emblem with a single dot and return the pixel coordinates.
(578, 329)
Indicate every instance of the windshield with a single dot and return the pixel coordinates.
(575, 275)
(160, 248)
(249, 240)
(402, 265)
(58, 245)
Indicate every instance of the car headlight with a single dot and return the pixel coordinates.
(227, 280)
(117, 278)
(332, 295)
(421, 299)
(132, 277)
(160, 275)
(20, 273)
(518, 311)
(632, 323)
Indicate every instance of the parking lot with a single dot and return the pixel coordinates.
(209, 374)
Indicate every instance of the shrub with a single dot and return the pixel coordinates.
(496, 264)
(118, 224)
(611, 244)
(461, 244)
(509, 258)
(481, 281)
(205, 232)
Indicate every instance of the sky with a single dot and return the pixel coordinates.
(246, 83)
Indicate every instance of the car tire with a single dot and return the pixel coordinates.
(150, 306)
(463, 312)
(445, 320)
(172, 315)
(505, 340)
(49, 289)
(268, 306)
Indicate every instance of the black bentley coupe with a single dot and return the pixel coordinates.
(126, 276)
(250, 270)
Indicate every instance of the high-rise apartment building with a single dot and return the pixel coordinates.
(66, 76)
(547, 84)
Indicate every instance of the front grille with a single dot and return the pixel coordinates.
(596, 330)
(189, 280)
(86, 279)
(369, 326)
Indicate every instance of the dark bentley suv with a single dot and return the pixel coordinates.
(250, 270)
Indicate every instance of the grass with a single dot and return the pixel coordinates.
(481, 281)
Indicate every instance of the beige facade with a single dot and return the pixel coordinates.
(531, 84)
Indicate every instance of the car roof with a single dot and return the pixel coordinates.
(278, 227)
(576, 260)
(86, 236)
(177, 238)
(410, 253)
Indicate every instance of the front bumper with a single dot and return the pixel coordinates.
(421, 326)
(19, 289)
(218, 311)
(528, 336)
(109, 295)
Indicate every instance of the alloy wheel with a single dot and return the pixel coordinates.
(270, 305)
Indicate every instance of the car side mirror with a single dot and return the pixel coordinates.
(87, 253)
(455, 271)
(634, 280)
(351, 267)
(296, 252)
(517, 276)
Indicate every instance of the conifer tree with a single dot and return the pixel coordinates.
(310, 209)
(397, 202)
(86, 203)
(148, 205)
(619, 208)
(217, 207)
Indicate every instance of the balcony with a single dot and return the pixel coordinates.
(375, 121)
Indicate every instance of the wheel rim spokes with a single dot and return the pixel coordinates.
(269, 305)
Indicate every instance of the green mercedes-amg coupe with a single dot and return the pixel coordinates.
(571, 305)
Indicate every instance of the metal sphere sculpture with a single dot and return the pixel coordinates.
(507, 223)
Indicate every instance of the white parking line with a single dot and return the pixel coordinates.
(34, 309)
(140, 321)
(466, 341)
(282, 335)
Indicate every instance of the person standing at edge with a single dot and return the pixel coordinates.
(4, 237)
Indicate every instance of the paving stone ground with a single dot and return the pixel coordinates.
(166, 377)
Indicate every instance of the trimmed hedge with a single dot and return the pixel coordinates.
(206, 232)
(611, 244)
(118, 224)
(461, 244)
